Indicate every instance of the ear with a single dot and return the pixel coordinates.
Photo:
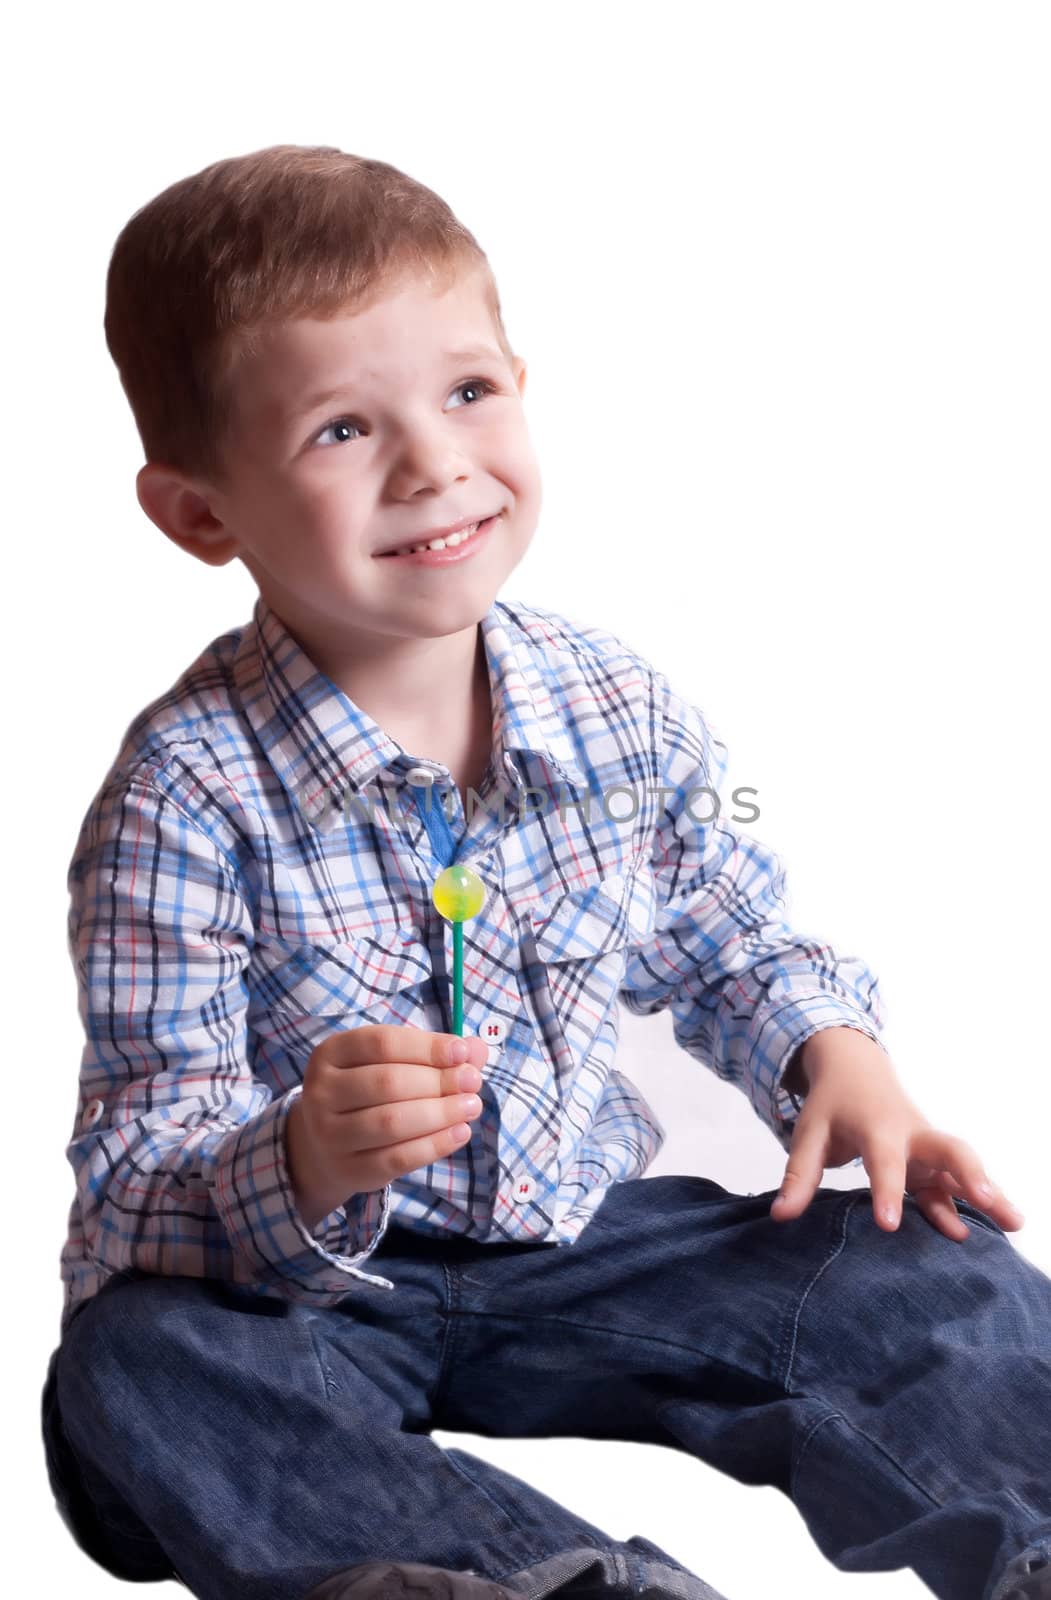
(183, 514)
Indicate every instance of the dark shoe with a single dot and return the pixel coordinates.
(408, 1580)
(1027, 1578)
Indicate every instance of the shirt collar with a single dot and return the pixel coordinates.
(320, 744)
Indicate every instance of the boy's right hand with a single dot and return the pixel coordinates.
(377, 1102)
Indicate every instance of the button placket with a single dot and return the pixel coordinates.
(432, 812)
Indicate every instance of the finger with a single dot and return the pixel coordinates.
(389, 1042)
(958, 1158)
(886, 1166)
(1011, 1220)
(388, 1126)
(398, 1082)
(940, 1211)
(803, 1174)
(945, 1182)
(381, 1165)
(392, 1063)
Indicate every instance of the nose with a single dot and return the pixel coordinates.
(427, 459)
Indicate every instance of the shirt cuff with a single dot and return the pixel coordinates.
(256, 1204)
(780, 1035)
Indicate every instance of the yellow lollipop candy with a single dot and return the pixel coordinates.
(459, 895)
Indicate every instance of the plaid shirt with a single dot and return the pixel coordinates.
(255, 873)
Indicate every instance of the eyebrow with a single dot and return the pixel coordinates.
(323, 397)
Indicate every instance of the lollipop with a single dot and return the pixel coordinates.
(459, 895)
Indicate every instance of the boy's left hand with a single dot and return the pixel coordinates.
(854, 1106)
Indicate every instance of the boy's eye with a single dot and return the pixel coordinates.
(481, 384)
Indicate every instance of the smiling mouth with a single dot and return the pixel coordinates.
(452, 541)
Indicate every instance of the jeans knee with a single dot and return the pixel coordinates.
(107, 1340)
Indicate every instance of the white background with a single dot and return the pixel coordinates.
(780, 274)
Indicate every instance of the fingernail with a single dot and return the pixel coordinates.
(890, 1214)
(459, 1052)
(986, 1189)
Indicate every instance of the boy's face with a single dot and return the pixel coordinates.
(411, 442)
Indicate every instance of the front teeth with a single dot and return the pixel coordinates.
(443, 544)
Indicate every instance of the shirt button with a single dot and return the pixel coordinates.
(422, 774)
(523, 1189)
(492, 1030)
(92, 1112)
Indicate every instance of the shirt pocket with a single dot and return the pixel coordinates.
(303, 994)
(582, 942)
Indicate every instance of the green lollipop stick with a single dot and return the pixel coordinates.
(459, 895)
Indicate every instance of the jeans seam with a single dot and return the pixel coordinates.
(833, 1416)
(331, 1387)
(854, 1199)
(791, 1335)
(449, 1311)
(804, 1444)
(451, 1274)
(695, 1353)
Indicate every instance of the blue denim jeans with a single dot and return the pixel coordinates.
(896, 1386)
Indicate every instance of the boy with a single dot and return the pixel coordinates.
(296, 1247)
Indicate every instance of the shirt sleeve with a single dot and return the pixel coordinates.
(179, 1151)
(744, 989)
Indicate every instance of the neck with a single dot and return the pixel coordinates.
(432, 696)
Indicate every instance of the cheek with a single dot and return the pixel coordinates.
(521, 469)
(326, 509)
